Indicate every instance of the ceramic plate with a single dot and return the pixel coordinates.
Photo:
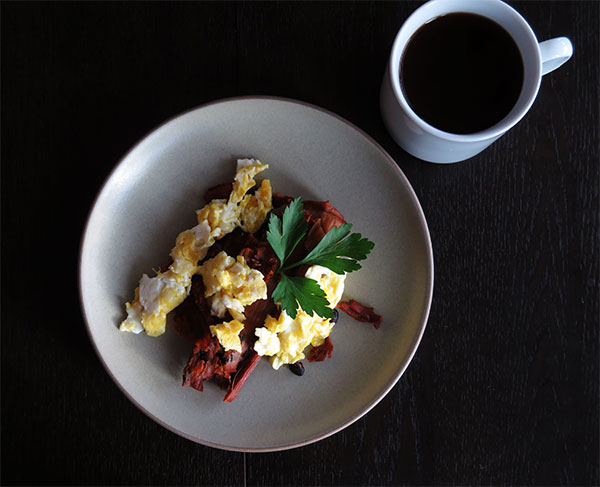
(152, 195)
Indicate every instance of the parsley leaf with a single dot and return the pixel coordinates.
(292, 291)
(284, 234)
(338, 251)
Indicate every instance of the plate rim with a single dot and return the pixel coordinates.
(412, 349)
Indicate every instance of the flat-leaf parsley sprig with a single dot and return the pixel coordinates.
(338, 250)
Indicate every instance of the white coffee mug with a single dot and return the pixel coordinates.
(426, 142)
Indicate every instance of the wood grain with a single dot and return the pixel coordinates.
(504, 387)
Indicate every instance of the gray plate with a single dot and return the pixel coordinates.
(151, 196)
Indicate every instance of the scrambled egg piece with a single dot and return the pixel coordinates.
(255, 207)
(157, 296)
(231, 285)
(228, 334)
(190, 247)
(268, 342)
(244, 178)
(284, 339)
(221, 216)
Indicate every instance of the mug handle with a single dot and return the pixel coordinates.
(555, 52)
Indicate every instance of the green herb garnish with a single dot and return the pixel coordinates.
(338, 250)
(292, 291)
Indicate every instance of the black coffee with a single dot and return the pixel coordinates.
(461, 73)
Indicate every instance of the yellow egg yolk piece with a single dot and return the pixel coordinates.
(230, 285)
(222, 217)
(247, 169)
(228, 334)
(156, 296)
(255, 207)
(284, 339)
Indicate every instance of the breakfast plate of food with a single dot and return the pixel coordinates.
(256, 274)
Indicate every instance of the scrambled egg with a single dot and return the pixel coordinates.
(255, 207)
(231, 285)
(228, 334)
(157, 296)
(284, 339)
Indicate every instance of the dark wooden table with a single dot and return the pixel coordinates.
(504, 387)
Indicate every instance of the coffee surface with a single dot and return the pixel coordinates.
(461, 73)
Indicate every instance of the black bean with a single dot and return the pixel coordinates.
(297, 368)
(336, 315)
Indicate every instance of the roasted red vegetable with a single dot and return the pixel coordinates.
(320, 353)
(280, 200)
(360, 312)
(250, 363)
(209, 361)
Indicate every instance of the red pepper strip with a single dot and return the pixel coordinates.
(201, 364)
(322, 210)
(320, 353)
(250, 363)
(315, 211)
(360, 312)
(281, 200)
